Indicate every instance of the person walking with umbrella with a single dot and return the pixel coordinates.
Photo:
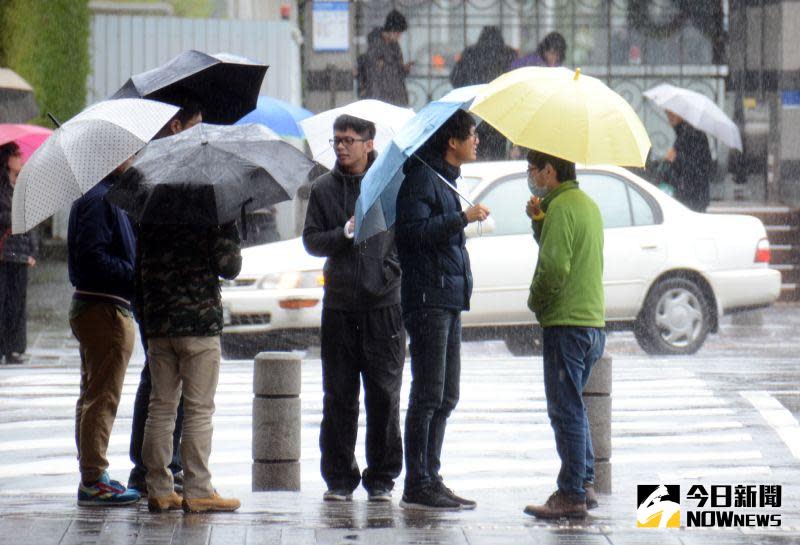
(566, 295)
(17, 254)
(436, 288)
(690, 157)
(362, 329)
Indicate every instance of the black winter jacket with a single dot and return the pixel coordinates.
(692, 167)
(430, 238)
(357, 277)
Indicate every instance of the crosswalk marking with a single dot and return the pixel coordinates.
(778, 417)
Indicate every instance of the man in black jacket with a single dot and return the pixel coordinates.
(362, 330)
(436, 287)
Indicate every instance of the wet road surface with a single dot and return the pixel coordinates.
(728, 415)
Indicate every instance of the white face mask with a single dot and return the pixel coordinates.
(536, 191)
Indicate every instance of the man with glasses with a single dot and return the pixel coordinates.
(362, 329)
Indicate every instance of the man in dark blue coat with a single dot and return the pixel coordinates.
(101, 251)
(436, 287)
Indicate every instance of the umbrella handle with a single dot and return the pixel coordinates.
(244, 218)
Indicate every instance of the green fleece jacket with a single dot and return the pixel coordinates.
(567, 287)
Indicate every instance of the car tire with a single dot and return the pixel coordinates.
(523, 341)
(675, 319)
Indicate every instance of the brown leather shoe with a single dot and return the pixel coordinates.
(215, 503)
(591, 495)
(164, 503)
(558, 505)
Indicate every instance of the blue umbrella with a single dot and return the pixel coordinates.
(375, 208)
(280, 116)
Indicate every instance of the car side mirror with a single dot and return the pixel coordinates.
(479, 228)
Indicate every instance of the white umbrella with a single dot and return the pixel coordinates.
(80, 153)
(698, 110)
(388, 121)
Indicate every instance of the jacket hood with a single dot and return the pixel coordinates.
(345, 177)
(562, 187)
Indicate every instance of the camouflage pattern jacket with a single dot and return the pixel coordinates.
(179, 270)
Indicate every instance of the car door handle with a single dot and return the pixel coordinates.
(649, 246)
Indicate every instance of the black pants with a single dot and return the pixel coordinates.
(435, 336)
(141, 406)
(13, 289)
(371, 345)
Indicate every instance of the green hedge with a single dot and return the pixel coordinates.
(47, 43)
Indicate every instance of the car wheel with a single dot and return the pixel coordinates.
(675, 319)
(523, 341)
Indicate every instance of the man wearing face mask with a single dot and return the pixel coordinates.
(567, 297)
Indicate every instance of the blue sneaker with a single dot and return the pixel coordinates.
(106, 492)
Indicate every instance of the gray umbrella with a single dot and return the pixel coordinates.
(17, 101)
(227, 85)
(209, 174)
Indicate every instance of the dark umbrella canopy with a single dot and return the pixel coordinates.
(227, 85)
(209, 174)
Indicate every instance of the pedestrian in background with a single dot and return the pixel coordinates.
(100, 258)
(481, 63)
(17, 254)
(362, 333)
(566, 295)
(551, 51)
(188, 116)
(182, 310)
(690, 158)
(381, 71)
(436, 288)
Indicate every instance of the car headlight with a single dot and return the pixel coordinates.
(292, 280)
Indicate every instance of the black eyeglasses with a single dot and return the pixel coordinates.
(346, 140)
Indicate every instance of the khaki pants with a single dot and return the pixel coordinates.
(106, 335)
(188, 365)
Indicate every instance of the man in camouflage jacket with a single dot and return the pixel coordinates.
(182, 314)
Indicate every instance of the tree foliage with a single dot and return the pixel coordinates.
(47, 43)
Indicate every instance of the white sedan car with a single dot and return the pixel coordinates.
(669, 275)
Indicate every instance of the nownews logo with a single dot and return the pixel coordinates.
(718, 506)
(659, 506)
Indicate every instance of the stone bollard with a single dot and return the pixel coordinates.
(276, 421)
(597, 398)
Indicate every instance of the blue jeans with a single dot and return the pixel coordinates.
(435, 346)
(569, 355)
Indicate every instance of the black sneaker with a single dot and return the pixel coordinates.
(380, 495)
(428, 499)
(463, 502)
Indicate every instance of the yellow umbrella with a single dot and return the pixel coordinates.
(566, 114)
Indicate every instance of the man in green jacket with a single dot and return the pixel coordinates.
(567, 297)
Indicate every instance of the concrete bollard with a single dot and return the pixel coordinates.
(597, 398)
(276, 421)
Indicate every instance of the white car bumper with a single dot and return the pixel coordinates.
(249, 311)
(745, 288)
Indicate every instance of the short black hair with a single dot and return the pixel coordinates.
(189, 103)
(553, 42)
(458, 126)
(362, 127)
(565, 170)
(395, 22)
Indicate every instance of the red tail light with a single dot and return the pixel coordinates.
(297, 304)
(762, 251)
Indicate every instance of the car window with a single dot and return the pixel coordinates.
(643, 213)
(506, 201)
(611, 195)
